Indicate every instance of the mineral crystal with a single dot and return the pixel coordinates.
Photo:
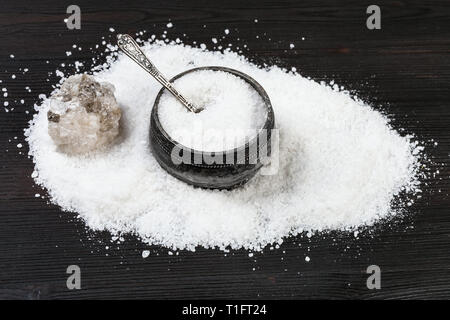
(84, 115)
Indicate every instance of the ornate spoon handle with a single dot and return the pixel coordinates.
(127, 44)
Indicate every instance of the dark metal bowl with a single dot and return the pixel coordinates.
(200, 173)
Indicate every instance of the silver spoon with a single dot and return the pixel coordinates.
(131, 49)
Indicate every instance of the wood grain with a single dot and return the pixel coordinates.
(402, 69)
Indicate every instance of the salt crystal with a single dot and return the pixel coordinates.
(169, 25)
(84, 115)
(232, 108)
(145, 254)
(292, 46)
(227, 31)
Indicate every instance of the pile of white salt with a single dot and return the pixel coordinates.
(341, 165)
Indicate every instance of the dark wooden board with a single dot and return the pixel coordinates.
(403, 69)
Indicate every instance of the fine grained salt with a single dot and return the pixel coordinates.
(341, 165)
(233, 111)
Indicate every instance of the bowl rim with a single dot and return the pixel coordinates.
(268, 124)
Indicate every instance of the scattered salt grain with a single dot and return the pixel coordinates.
(292, 46)
(145, 254)
(307, 259)
(227, 31)
(19, 145)
(341, 166)
(169, 25)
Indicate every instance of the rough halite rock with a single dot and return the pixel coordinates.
(84, 115)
